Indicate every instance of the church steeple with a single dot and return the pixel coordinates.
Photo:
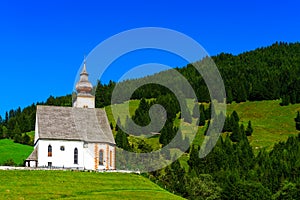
(84, 88)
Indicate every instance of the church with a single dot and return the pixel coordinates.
(77, 137)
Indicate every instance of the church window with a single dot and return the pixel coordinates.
(101, 157)
(49, 151)
(75, 156)
(62, 148)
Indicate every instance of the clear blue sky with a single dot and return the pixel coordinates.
(43, 42)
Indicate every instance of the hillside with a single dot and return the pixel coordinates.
(78, 185)
(17, 152)
(271, 122)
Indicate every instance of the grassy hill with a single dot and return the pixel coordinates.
(271, 122)
(17, 152)
(78, 185)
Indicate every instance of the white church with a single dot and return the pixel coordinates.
(77, 137)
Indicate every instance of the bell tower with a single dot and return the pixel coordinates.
(84, 98)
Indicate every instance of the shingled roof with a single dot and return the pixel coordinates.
(69, 123)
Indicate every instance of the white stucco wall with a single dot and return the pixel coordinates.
(82, 102)
(60, 158)
(87, 152)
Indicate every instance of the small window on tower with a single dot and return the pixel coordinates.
(62, 148)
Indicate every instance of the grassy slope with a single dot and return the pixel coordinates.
(271, 122)
(11, 150)
(78, 185)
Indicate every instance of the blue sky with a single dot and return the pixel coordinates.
(43, 42)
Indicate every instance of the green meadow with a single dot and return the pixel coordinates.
(10, 150)
(16, 184)
(271, 122)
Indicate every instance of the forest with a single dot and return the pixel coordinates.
(231, 170)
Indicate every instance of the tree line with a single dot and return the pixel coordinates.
(232, 171)
(18, 122)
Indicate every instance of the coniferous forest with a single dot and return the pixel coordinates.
(231, 170)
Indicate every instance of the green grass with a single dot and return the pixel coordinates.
(78, 185)
(271, 122)
(121, 111)
(17, 152)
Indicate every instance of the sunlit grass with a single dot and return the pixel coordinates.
(78, 185)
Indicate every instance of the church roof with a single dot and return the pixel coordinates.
(33, 155)
(70, 123)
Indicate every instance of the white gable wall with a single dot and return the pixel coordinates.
(60, 158)
(88, 154)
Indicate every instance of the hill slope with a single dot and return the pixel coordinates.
(78, 185)
(10, 150)
(271, 122)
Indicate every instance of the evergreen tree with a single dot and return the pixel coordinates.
(1, 131)
(99, 95)
(25, 139)
(118, 124)
(208, 112)
(293, 97)
(194, 160)
(122, 140)
(227, 125)
(235, 136)
(201, 120)
(235, 116)
(229, 98)
(249, 129)
(6, 119)
(285, 100)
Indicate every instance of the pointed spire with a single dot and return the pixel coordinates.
(84, 67)
(84, 86)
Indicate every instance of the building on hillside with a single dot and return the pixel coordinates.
(76, 137)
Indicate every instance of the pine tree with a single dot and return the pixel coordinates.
(201, 120)
(99, 95)
(208, 112)
(285, 100)
(1, 131)
(227, 125)
(194, 160)
(122, 140)
(236, 134)
(229, 96)
(235, 116)
(249, 129)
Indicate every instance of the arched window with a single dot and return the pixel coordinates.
(101, 157)
(75, 156)
(49, 151)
